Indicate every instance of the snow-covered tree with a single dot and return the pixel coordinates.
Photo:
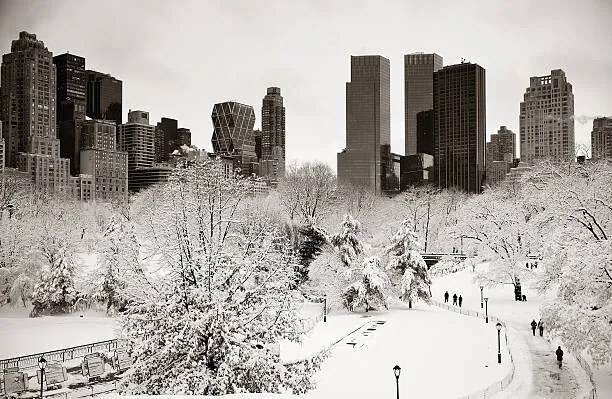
(406, 261)
(117, 261)
(55, 293)
(576, 260)
(369, 290)
(209, 324)
(504, 227)
(346, 241)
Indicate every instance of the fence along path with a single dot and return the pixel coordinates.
(497, 386)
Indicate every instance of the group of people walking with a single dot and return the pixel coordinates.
(456, 300)
(540, 326)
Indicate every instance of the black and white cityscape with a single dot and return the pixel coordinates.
(303, 199)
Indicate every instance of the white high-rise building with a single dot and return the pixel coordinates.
(547, 119)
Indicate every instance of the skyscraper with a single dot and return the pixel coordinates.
(137, 138)
(28, 109)
(233, 134)
(272, 163)
(425, 132)
(183, 137)
(460, 127)
(104, 97)
(500, 155)
(366, 160)
(1, 150)
(71, 102)
(418, 92)
(165, 138)
(100, 159)
(547, 118)
(601, 139)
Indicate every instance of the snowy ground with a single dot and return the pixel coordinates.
(539, 376)
(21, 335)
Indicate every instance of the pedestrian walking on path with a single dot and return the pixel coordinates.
(533, 326)
(559, 353)
(541, 327)
(460, 300)
(446, 297)
(454, 299)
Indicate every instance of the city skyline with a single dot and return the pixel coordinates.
(182, 90)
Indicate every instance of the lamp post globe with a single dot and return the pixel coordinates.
(498, 326)
(42, 363)
(397, 370)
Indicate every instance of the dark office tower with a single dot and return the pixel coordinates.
(366, 160)
(257, 135)
(165, 139)
(418, 92)
(71, 87)
(547, 119)
(425, 132)
(71, 100)
(183, 137)
(28, 111)
(460, 127)
(104, 97)
(233, 134)
(272, 135)
(601, 139)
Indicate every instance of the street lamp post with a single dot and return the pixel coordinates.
(486, 310)
(481, 305)
(397, 370)
(325, 308)
(42, 363)
(498, 326)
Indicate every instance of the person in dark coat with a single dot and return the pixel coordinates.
(533, 327)
(446, 297)
(460, 300)
(559, 353)
(454, 299)
(541, 327)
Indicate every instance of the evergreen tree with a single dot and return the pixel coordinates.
(55, 293)
(313, 240)
(347, 243)
(369, 290)
(118, 259)
(405, 260)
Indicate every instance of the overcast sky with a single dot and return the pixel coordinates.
(178, 58)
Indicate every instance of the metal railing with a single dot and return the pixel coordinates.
(61, 355)
(497, 386)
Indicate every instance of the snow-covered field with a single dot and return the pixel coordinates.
(21, 335)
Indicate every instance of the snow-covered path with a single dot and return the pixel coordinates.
(545, 380)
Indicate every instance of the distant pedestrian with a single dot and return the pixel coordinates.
(541, 327)
(533, 327)
(559, 353)
(454, 299)
(460, 300)
(446, 297)
(524, 298)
